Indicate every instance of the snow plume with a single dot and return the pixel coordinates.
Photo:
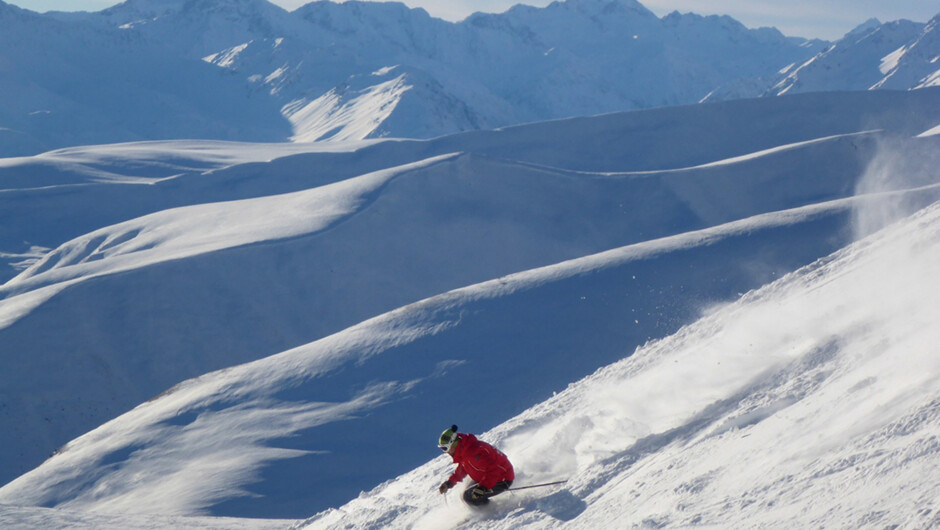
(757, 415)
(897, 165)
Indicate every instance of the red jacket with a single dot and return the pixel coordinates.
(484, 463)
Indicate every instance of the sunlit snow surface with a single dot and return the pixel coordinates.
(812, 402)
(240, 246)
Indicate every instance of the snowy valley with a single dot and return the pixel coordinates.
(248, 283)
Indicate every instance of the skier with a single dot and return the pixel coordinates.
(487, 466)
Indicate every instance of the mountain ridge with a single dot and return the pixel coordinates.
(522, 66)
(528, 64)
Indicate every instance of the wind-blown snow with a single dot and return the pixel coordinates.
(559, 247)
(760, 414)
(165, 466)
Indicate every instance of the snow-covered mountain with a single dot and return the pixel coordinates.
(310, 71)
(311, 276)
(900, 55)
(281, 314)
(67, 83)
(387, 100)
(309, 74)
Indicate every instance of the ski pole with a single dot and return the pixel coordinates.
(538, 485)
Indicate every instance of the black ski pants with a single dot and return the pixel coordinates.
(477, 495)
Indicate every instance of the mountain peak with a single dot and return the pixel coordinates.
(863, 28)
(596, 7)
(156, 8)
(262, 6)
(7, 8)
(324, 11)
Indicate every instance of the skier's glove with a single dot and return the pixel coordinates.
(444, 487)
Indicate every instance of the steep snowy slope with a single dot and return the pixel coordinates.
(138, 305)
(813, 402)
(900, 55)
(793, 347)
(288, 433)
(916, 64)
(374, 106)
(141, 305)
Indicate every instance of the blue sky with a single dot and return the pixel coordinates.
(828, 19)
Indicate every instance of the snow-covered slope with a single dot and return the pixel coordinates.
(203, 270)
(813, 402)
(388, 100)
(509, 207)
(900, 55)
(917, 64)
(310, 427)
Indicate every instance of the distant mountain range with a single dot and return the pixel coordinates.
(249, 70)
